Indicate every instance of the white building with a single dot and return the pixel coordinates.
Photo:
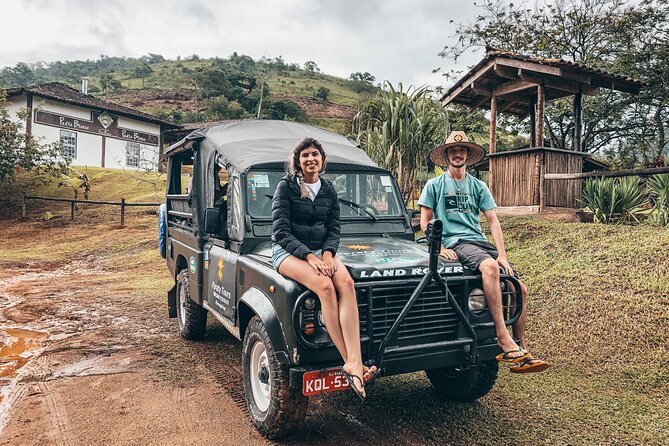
(93, 132)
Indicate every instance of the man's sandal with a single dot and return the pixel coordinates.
(505, 356)
(530, 365)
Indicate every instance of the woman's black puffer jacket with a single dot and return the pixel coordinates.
(300, 226)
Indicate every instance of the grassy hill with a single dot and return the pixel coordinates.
(190, 90)
(599, 311)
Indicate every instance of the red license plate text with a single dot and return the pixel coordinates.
(322, 381)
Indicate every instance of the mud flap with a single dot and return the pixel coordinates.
(172, 302)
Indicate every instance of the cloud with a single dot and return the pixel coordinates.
(392, 39)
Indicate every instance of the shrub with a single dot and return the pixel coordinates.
(659, 196)
(614, 200)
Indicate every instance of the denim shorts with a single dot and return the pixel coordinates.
(279, 254)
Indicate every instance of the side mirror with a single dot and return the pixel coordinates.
(212, 220)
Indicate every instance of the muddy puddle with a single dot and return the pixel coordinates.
(16, 349)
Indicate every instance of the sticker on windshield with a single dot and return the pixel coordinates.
(385, 180)
(259, 180)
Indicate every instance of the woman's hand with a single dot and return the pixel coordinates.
(329, 263)
(318, 265)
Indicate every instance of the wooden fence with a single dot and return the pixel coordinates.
(123, 204)
(600, 174)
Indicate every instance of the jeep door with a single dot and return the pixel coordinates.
(221, 264)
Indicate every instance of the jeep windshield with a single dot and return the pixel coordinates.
(363, 195)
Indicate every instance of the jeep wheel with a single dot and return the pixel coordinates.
(275, 408)
(192, 318)
(466, 385)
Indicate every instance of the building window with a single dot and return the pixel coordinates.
(68, 141)
(132, 151)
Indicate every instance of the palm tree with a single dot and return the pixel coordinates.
(397, 129)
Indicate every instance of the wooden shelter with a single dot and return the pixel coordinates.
(507, 82)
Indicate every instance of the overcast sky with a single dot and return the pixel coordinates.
(397, 40)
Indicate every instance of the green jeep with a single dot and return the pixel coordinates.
(417, 312)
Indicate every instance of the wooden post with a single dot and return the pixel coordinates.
(493, 139)
(540, 116)
(122, 211)
(533, 124)
(578, 120)
(23, 206)
(542, 185)
(72, 206)
(29, 118)
(536, 179)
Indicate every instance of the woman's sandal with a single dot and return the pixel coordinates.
(372, 375)
(350, 380)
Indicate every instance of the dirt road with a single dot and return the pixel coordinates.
(85, 365)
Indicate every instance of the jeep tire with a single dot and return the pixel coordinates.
(464, 385)
(275, 408)
(192, 317)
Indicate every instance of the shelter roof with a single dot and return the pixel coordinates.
(63, 93)
(254, 142)
(512, 78)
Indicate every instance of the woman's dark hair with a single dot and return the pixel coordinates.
(293, 162)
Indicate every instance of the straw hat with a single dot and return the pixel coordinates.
(457, 139)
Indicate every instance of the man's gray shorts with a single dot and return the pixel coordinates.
(472, 252)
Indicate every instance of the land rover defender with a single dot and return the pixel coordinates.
(417, 312)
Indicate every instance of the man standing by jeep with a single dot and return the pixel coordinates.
(457, 198)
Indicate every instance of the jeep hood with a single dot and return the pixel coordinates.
(382, 257)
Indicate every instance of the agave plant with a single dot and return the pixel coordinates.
(659, 195)
(614, 200)
(398, 128)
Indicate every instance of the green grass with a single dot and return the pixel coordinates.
(598, 311)
(302, 83)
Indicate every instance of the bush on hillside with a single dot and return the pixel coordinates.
(283, 109)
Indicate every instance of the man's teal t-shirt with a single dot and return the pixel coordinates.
(457, 205)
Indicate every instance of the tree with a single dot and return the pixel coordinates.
(220, 108)
(115, 85)
(142, 70)
(19, 76)
(322, 93)
(311, 66)
(105, 82)
(362, 77)
(153, 58)
(19, 150)
(398, 128)
(211, 82)
(613, 35)
(283, 109)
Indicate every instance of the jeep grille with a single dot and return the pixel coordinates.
(430, 319)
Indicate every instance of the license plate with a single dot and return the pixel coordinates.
(322, 381)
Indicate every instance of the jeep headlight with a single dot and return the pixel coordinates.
(309, 303)
(476, 301)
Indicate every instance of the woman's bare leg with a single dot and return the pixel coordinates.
(349, 320)
(301, 271)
